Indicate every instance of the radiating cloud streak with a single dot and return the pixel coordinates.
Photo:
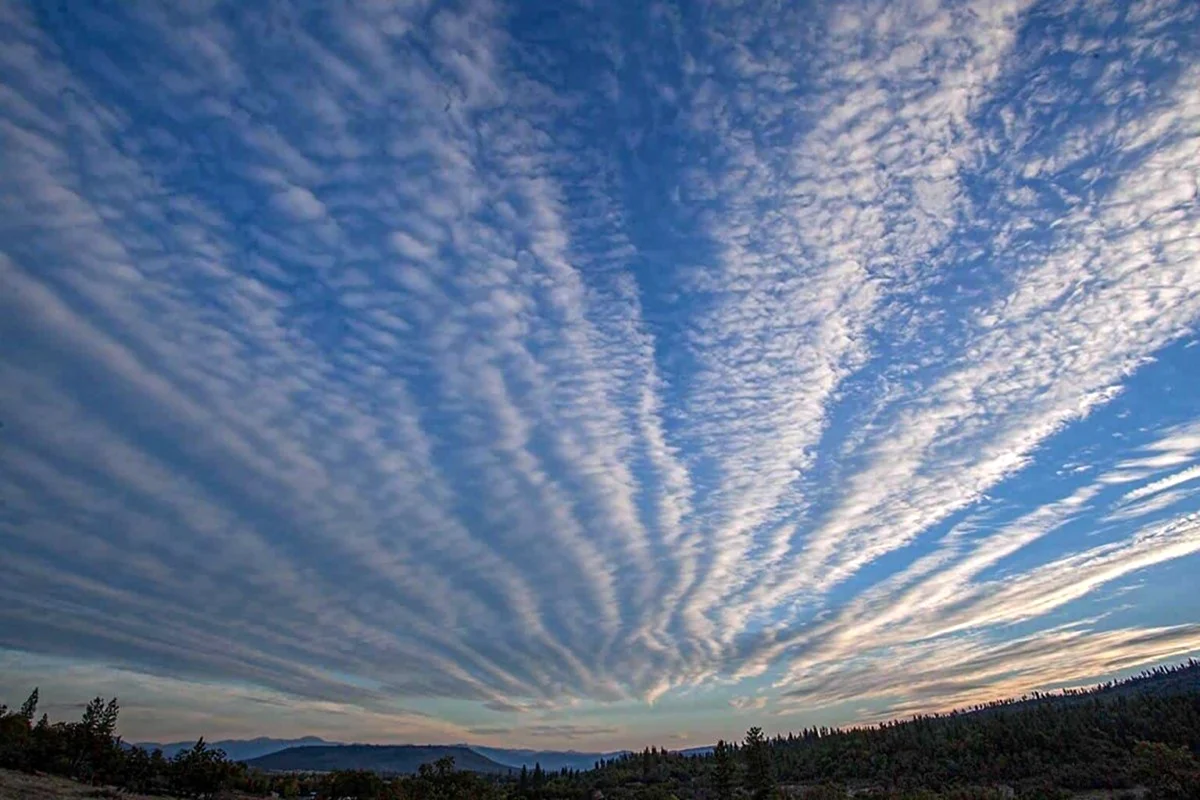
(394, 360)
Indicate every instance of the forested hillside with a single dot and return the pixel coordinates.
(1144, 731)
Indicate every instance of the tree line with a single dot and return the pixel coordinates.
(91, 751)
(1142, 733)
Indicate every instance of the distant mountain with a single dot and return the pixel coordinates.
(248, 750)
(238, 749)
(551, 760)
(383, 758)
(696, 751)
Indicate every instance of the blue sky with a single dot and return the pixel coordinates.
(593, 374)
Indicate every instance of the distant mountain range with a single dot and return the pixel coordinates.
(382, 758)
(696, 751)
(310, 750)
(238, 749)
(551, 760)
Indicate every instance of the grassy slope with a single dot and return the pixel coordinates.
(19, 786)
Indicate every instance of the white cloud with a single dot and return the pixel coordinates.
(410, 247)
(748, 703)
(300, 203)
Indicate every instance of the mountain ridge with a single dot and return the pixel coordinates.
(550, 760)
(513, 757)
(380, 758)
(237, 749)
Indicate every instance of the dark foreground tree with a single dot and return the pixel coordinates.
(723, 771)
(202, 771)
(96, 749)
(355, 784)
(759, 776)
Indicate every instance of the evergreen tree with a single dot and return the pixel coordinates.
(95, 750)
(759, 774)
(29, 707)
(201, 771)
(723, 777)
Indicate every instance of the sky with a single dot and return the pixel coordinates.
(593, 375)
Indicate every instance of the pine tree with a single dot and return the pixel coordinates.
(723, 771)
(758, 764)
(92, 715)
(29, 707)
(107, 727)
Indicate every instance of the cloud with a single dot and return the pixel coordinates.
(748, 703)
(484, 731)
(300, 203)
(209, 706)
(570, 732)
(411, 247)
(873, 184)
(963, 672)
(384, 362)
